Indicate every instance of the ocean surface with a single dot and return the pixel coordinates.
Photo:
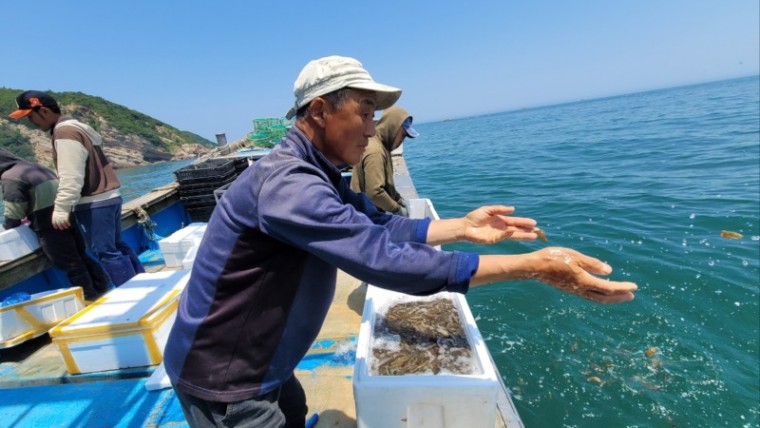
(646, 182)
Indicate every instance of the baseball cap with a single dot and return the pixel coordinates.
(29, 100)
(322, 76)
(410, 132)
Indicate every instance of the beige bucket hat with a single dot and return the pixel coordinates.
(328, 74)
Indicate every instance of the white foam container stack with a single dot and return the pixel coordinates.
(128, 327)
(423, 400)
(17, 242)
(176, 246)
(26, 320)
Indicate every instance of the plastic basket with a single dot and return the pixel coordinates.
(220, 191)
(204, 187)
(241, 164)
(202, 214)
(211, 179)
(199, 201)
(205, 170)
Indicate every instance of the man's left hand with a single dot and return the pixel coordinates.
(491, 224)
(60, 220)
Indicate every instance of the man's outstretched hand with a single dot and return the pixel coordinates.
(572, 272)
(492, 224)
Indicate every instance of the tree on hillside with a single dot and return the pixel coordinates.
(16, 143)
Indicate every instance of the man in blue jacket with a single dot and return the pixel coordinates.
(265, 273)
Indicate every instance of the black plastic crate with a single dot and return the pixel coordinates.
(220, 191)
(210, 168)
(210, 180)
(207, 187)
(198, 201)
(241, 163)
(200, 213)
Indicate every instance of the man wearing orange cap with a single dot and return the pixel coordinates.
(88, 187)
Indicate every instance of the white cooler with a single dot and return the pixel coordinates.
(17, 242)
(128, 327)
(176, 246)
(26, 320)
(423, 400)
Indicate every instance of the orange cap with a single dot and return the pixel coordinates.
(29, 100)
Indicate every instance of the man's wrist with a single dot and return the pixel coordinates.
(62, 208)
(461, 230)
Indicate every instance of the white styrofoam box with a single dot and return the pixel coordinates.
(173, 259)
(158, 380)
(26, 320)
(443, 400)
(17, 242)
(175, 246)
(187, 262)
(127, 327)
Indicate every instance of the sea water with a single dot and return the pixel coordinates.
(645, 182)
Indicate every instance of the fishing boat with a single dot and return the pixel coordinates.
(38, 388)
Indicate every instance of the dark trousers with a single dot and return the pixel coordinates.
(283, 407)
(68, 252)
(101, 227)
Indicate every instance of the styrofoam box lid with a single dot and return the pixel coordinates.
(22, 236)
(183, 239)
(129, 302)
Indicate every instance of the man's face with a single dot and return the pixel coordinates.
(400, 136)
(41, 118)
(349, 127)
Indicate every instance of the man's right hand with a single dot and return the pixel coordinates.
(571, 271)
(60, 220)
(562, 268)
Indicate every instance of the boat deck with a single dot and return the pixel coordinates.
(36, 390)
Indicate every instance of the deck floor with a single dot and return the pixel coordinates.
(33, 372)
(329, 385)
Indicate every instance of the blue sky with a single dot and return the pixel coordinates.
(210, 67)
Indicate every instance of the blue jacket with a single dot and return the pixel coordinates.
(265, 273)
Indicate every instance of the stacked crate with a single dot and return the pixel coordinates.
(241, 163)
(198, 181)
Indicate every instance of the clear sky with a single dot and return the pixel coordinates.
(210, 67)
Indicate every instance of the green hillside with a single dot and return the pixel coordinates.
(16, 143)
(98, 113)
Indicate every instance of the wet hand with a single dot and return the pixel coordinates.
(492, 224)
(572, 272)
